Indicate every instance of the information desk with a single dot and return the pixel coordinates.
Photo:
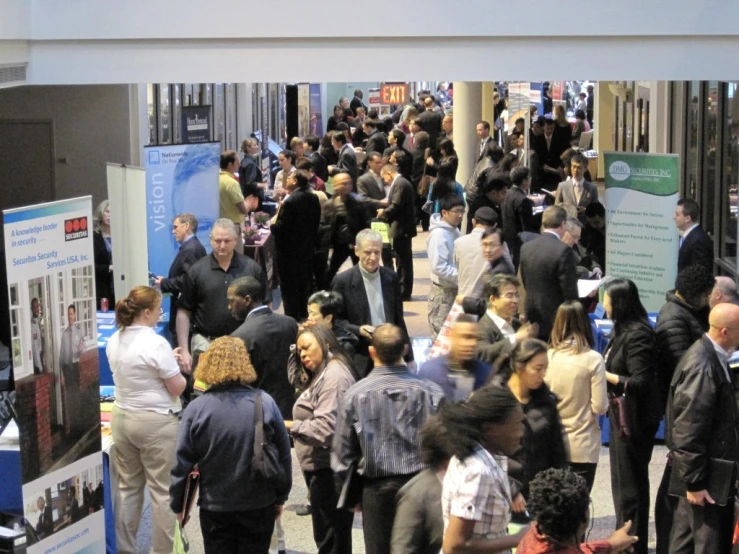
(602, 329)
(106, 328)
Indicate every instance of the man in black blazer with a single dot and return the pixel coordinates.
(517, 212)
(295, 227)
(376, 141)
(268, 337)
(347, 158)
(401, 215)
(696, 247)
(45, 525)
(320, 166)
(483, 133)
(185, 230)
(363, 310)
(548, 271)
(549, 147)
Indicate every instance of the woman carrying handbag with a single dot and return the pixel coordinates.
(634, 412)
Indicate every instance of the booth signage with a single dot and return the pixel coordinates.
(394, 93)
(641, 237)
(196, 124)
(53, 346)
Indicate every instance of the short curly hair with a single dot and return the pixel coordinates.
(558, 502)
(225, 361)
(695, 283)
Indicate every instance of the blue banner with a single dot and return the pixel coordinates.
(182, 178)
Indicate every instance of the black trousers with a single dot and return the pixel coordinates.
(378, 511)
(702, 529)
(338, 256)
(245, 532)
(630, 481)
(404, 256)
(586, 471)
(664, 512)
(332, 527)
(387, 256)
(296, 283)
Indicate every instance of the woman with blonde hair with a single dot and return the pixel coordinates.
(102, 246)
(148, 384)
(237, 508)
(577, 377)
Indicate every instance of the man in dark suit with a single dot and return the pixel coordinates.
(401, 215)
(185, 230)
(347, 158)
(268, 337)
(548, 150)
(295, 227)
(357, 102)
(376, 141)
(696, 247)
(371, 296)
(483, 133)
(517, 212)
(45, 525)
(548, 271)
(320, 166)
(430, 120)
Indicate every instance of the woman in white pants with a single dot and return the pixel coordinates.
(148, 384)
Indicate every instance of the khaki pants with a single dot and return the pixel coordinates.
(144, 452)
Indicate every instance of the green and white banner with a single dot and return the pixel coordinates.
(641, 237)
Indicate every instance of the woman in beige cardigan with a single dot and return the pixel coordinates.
(577, 376)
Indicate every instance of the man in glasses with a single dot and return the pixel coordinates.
(203, 301)
(444, 273)
(184, 229)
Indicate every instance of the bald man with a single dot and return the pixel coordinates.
(702, 438)
(723, 291)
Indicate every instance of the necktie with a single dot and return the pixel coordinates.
(682, 239)
(578, 193)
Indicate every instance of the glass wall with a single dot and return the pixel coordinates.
(165, 102)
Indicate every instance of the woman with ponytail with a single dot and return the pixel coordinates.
(522, 372)
(148, 384)
(476, 496)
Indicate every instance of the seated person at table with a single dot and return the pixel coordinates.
(458, 373)
(559, 504)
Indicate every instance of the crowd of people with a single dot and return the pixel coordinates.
(500, 428)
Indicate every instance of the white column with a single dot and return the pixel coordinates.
(659, 116)
(488, 106)
(467, 111)
(244, 112)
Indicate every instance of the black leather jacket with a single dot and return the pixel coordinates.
(701, 415)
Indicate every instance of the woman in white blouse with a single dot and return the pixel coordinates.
(577, 376)
(476, 495)
(148, 384)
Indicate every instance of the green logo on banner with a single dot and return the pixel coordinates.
(655, 174)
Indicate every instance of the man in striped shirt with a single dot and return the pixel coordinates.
(389, 406)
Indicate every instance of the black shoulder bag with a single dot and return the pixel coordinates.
(265, 464)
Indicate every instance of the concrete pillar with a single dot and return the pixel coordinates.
(659, 117)
(488, 106)
(604, 138)
(467, 102)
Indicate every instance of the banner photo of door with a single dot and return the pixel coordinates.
(51, 289)
(181, 178)
(316, 114)
(303, 109)
(197, 122)
(641, 237)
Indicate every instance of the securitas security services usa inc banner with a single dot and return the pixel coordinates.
(51, 288)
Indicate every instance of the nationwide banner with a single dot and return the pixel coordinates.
(182, 178)
(196, 124)
(51, 288)
(641, 237)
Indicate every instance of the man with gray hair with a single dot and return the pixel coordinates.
(184, 230)
(371, 296)
(203, 302)
(723, 291)
(586, 266)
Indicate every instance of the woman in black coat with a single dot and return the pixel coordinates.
(102, 250)
(522, 371)
(631, 371)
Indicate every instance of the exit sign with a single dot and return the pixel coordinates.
(394, 94)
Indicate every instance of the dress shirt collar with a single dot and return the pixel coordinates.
(580, 183)
(722, 354)
(552, 233)
(186, 239)
(687, 231)
(390, 370)
(505, 327)
(255, 310)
